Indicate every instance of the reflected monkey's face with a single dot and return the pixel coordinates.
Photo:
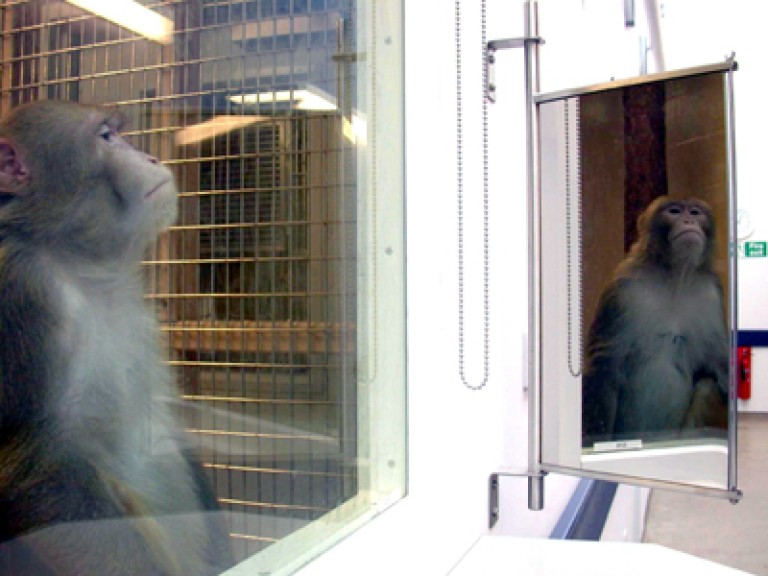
(686, 224)
(678, 233)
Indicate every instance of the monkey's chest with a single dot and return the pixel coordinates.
(681, 328)
(108, 369)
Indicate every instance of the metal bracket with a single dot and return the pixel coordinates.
(493, 490)
(490, 59)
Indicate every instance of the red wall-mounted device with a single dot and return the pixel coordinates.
(744, 391)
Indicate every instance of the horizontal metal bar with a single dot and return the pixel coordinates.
(271, 506)
(238, 296)
(732, 495)
(726, 66)
(236, 260)
(254, 326)
(262, 338)
(259, 435)
(213, 364)
(508, 43)
(249, 400)
(274, 471)
(250, 225)
(523, 473)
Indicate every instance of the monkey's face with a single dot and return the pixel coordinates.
(70, 180)
(144, 188)
(686, 228)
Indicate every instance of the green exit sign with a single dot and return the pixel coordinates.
(755, 249)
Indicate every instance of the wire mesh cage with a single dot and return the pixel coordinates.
(255, 285)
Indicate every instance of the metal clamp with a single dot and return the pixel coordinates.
(493, 490)
(490, 59)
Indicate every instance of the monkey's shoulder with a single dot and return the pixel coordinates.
(24, 293)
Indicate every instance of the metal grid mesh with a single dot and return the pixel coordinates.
(256, 284)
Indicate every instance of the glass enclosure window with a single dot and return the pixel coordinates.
(282, 120)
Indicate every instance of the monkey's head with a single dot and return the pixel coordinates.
(69, 179)
(676, 234)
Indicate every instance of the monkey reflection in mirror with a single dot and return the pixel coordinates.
(657, 353)
(95, 474)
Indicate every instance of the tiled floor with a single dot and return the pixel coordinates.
(734, 535)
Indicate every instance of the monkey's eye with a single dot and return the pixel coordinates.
(674, 210)
(107, 133)
(695, 211)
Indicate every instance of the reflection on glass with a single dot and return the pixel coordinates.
(283, 123)
(657, 352)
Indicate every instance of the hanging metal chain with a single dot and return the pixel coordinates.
(460, 202)
(373, 355)
(573, 244)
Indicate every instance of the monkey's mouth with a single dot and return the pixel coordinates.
(690, 235)
(156, 188)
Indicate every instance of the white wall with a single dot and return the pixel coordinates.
(457, 437)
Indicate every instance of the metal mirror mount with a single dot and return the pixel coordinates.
(636, 318)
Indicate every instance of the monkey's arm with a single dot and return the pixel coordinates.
(76, 517)
(722, 346)
(709, 405)
(56, 510)
(26, 324)
(603, 375)
(82, 510)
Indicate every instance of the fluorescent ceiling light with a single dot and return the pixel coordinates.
(311, 99)
(214, 127)
(355, 130)
(132, 15)
(316, 100)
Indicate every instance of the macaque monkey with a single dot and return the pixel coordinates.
(657, 356)
(95, 474)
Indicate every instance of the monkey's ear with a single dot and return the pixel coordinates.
(14, 175)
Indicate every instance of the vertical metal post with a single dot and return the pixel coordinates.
(629, 13)
(733, 285)
(6, 56)
(531, 48)
(654, 28)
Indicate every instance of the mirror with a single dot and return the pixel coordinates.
(637, 318)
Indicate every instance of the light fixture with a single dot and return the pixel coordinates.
(310, 99)
(214, 127)
(132, 15)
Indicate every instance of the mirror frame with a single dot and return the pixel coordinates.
(539, 433)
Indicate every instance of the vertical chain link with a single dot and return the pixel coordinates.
(373, 356)
(460, 201)
(574, 323)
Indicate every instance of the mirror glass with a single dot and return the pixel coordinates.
(636, 279)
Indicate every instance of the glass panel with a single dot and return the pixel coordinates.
(282, 121)
(635, 280)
